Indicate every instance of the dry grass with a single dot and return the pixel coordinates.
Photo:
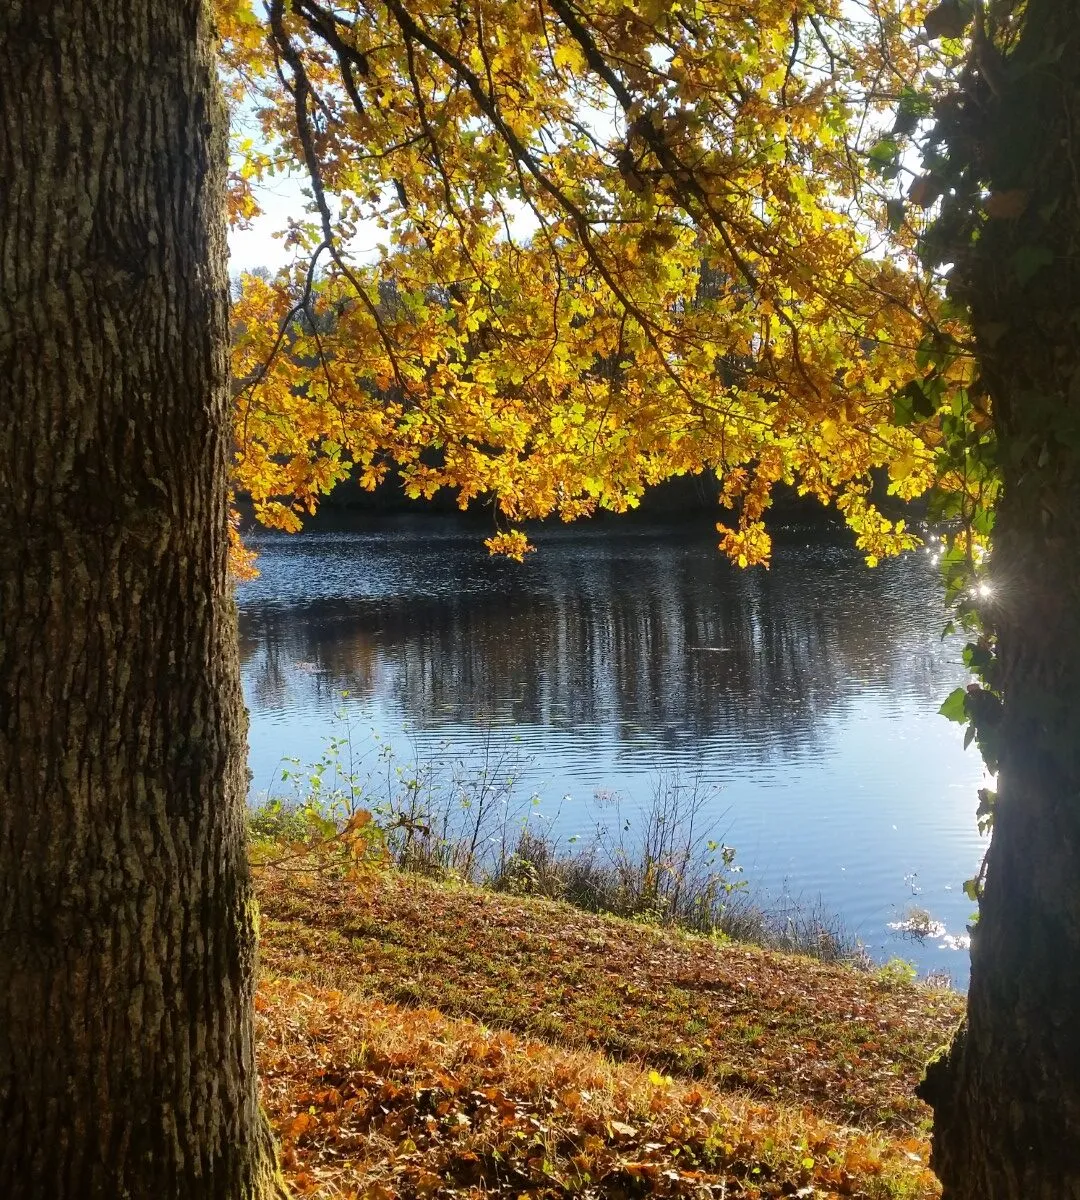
(425, 1041)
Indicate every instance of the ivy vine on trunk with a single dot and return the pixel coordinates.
(1005, 150)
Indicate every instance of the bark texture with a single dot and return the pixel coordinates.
(127, 937)
(1007, 1095)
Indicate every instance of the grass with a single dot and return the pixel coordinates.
(670, 881)
(425, 1039)
(671, 872)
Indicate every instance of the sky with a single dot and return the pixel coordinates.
(255, 247)
(283, 197)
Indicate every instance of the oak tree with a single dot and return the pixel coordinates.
(617, 244)
(127, 939)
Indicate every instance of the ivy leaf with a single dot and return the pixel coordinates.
(948, 20)
(954, 707)
(911, 404)
(925, 190)
(977, 658)
(1007, 205)
(1027, 261)
(883, 154)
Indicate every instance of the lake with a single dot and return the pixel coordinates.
(800, 702)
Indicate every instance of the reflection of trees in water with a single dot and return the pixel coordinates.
(667, 640)
(307, 655)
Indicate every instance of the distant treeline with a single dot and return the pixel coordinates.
(691, 496)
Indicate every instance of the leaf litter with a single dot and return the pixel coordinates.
(425, 1040)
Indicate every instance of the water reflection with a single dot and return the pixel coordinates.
(656, 638)
(617, 651)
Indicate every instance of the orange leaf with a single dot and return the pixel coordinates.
(1007, 206)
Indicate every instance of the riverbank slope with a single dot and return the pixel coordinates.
(422, 1039)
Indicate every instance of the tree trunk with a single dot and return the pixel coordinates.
(1007, 1095)
(127, 939)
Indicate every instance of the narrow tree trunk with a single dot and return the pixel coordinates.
(127, 938)
(1007, 1096)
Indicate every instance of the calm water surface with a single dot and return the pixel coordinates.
(802, 698)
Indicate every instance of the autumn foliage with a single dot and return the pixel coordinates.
(557, 252)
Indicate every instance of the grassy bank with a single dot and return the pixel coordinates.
(672, 871)
(423, 1039)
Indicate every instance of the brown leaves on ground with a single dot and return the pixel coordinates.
(373, 1100)
(776, 1028)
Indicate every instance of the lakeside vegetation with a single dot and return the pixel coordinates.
(666, 865)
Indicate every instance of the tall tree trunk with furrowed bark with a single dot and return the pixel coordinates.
(127, 938)
(1006, 1097)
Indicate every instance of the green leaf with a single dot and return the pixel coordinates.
(954, 707)
(913, 107)
(943, 506)
(977, 658)
(915, 103)
(895, 212)
(1027, 261)
(883, 155)
(982, 521)
(912, 403)
(985, 812)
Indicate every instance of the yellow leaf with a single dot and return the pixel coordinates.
(902, 466)
(568, 57)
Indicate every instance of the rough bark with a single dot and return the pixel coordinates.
(1007, 1095)
(127, 938)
